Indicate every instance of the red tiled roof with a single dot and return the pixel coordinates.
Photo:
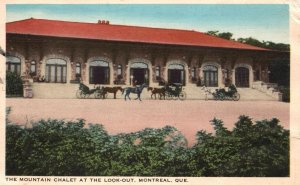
(108, 32)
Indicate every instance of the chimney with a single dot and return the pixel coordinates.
(103, 22)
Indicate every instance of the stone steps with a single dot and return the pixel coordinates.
(68, 91)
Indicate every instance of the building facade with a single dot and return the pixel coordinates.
(57, 54)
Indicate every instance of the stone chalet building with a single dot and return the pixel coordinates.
(54, 55)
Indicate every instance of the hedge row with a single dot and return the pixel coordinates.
(60, 148)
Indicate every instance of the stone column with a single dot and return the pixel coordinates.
(73, 63)
(127, 71)
(189, 71)
(84, 69)
(153, 74)
(152, 79)
(40, 61)
(199, 69)
(114, 66)
(231, 72)
(164, 72)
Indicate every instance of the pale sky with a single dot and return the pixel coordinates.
(263, 22)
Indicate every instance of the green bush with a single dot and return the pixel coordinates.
(60, 148)
(260, 149)
(285, 93)
(14, 84)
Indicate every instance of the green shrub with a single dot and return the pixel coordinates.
(285, 93)
(14, 84)
(60, 148)
(260, 149)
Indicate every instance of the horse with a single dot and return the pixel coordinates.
(160, 91)
(136, 90)
(113, 90)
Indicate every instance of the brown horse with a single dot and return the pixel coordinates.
(113, 90)
(154, 91)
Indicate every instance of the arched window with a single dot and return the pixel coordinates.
(56, 70)
(33, 68)
(176, 66)
(78, 69)
(210, 73)
(13, 64)
(139, 65)
(99, 72)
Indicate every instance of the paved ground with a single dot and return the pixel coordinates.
(118, 116)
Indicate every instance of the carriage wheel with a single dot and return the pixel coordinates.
(97, 94)
(182, 95)
(222, 97)
(168, 96)
(236, 96)
(175, 97)
(215, 96)
(80, 94)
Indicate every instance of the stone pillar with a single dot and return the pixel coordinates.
(267, 74)
(231, 72)
(40, 62)
(163, 73)
(73, 64)
(153, 74)
(127, 70)
(115, 69)
(27, 69)
(152, 79)
(114, 66)
(84, 69)
(199, 68)
(127, 74)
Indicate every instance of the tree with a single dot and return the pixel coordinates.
(212, 33)
(226, 35)
(251, 41)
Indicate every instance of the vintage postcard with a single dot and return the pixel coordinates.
(124, 92)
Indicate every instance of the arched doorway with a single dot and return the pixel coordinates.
(176, 73)
(242, 77)
(210, 73)
(99, 72)
(139, 73)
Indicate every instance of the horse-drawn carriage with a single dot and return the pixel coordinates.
(85, 92)
(98, 92)
(175, 91)
(222, 94)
